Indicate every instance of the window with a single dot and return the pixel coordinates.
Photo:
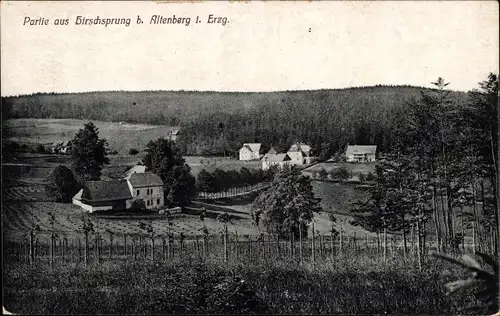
(138, 191)
(157, 201)
(147, 202)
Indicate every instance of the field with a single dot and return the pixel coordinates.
(121, 136)
(346, 285)
(211, 163)
(337, 198)
(354, 169)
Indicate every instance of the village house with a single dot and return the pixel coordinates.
(300, 154)
(251, 151)
(173, 135)
(279, 160)
(61, 147)
(276, 150)
(361, 153)
(148, 187)
(103, 196)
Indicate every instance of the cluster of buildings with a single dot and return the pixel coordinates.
(300, 154)
(61, 147)
(297, 154)
(119, 195)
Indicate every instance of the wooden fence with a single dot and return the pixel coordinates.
(233, 192)
(97, 248)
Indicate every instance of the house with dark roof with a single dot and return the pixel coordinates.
(103, 196)
(361, 153)
(279, 160)
(148, 187)
(251, 151)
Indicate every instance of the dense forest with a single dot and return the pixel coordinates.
(442, 171)
(217, 123)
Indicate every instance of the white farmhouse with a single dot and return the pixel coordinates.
(361, 153)
(300, 154)
(250, 151)
(148, 187)
(279, 160)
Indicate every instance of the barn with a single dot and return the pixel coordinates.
(103, 196)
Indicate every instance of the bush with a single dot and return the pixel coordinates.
(62, 184)
(133, 152)
(40, 149)
(370, 177)
(362, 177)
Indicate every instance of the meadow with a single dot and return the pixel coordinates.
(354, 169)
(187, 285)
(120, 136)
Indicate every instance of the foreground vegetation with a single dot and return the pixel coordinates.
(356, 285)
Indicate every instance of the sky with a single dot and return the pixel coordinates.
(265, 46)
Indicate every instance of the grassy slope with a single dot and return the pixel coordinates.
(121, 137)
(356, 285)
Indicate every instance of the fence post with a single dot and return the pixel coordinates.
(97, 248)
(331, 246)
(236, 244)
(301, 253)
(52, 242)
(152, 249)
(385, 244)
(125, 246)
(340, 239)
(473, 237)
(225, 242)
(63, 248)
(418, 246)
(313, 244)
(111, 238)
(413, 242)
(134, 254)
(32, 252)
(37, 250)
(163, 249)
(355, 243)
(366, 243)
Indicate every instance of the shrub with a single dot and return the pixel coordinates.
(62, 184)
(370, 177)
(362, 177)
(133, 152)
(40, 149)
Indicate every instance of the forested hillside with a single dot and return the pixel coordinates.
(216, 123)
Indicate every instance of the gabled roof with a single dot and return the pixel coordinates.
(276, 158)
(361, 149)
(253, 147)
(306, 149)
(276, 150)
(61, 143)
(135, 169)
(146, 179)
(106, 190)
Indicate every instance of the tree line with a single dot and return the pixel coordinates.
(217, 123)
(440, 175)
(220, 180)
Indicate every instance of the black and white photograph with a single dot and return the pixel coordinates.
(250, 157)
